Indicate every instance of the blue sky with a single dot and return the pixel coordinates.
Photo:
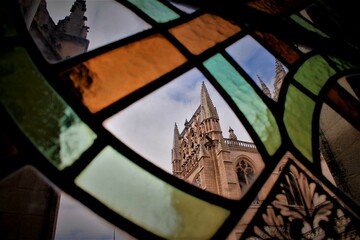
(254, 59)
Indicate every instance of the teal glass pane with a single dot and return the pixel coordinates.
(314, 73)
(244, 96)
(156, 10)
(298, 113)
(148, 201)
(41, 114)
(7, 28)
(299, 20)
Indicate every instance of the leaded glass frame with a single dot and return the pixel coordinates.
(289, 125)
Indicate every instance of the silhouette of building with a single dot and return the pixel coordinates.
(58, 41)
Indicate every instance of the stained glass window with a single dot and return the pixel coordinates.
(179, 119)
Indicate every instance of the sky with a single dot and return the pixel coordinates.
(108, 20)
(147, 126)
(76, 222)
(249, 54)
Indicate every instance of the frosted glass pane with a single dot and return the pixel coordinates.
(28, 205)
(314, 73)
(42, 115)
(244, 96)
(156, 10)
(204, 32)
(147, 201)
(106, 78)
(298, 114)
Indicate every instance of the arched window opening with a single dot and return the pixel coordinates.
(245, 173)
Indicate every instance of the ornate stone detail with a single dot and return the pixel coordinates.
(299, 207)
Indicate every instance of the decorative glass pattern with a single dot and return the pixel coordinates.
(300, 206)
(44, 103)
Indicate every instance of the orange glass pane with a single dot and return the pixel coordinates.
(204, 32)
(107, 78)
(277, 6)
(280, 46)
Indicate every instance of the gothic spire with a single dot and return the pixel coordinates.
(74, 24)
(176, 143)
(264, 88)
(207, 107)
(279, 78)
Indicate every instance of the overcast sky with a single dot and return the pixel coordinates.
(76, 222)
(147, 126)
(108, 20)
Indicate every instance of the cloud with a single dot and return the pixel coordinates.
(147, 126)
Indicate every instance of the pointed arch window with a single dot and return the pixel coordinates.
(245, 173)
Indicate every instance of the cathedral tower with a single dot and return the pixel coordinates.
(203, 157)
(57, 41)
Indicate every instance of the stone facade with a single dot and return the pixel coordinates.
(202, 156)
(58, 41)
(224, 166)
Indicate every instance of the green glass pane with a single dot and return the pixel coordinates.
(156, 10)
(41, 114)
(314, 73)
(244, 96)
(299, 20)
(147, 201)
(342, 64)
(298, 114)
(7, 28)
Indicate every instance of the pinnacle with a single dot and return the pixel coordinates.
(207, 107)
